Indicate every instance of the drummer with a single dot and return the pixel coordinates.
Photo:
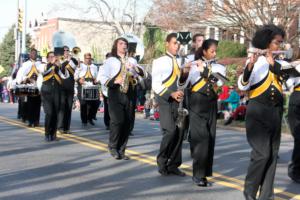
(86, 76)
(28, 74)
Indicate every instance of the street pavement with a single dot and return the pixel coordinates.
(80, 167)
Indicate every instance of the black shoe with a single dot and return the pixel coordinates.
(31, 125)
(176, 172)
(114, 153)
(53, 138)
(124, 157)
(294, 178)
(107, 128)
(95, 118)
(228, 121)
(163, 172)
(201, 182)
(67, 132)
(249, 197)
(36, 124)
(47, 138)
(131, 134)
(91, 122)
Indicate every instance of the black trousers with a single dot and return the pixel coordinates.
(169, 156)
(23, 108)
(51, 103)
(95, 109)
(203, 120)
(106, 112)
(119, 113)
(34, 109)
(294, 122)
(87, 110)
(65, 111)
(263, 128)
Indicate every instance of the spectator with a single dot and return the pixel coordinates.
(223, 96)
(240, 112)
(233, 99)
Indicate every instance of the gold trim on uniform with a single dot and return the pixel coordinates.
(88, 74)
(163, 91)
(33, 70)
(70, 69)
(52, 74)
(173, 78)
(199, 85)
(271, 80)
(244, 83)
(297, 88)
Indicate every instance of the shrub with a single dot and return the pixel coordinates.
(230, 49)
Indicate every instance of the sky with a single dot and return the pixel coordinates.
(53, 9)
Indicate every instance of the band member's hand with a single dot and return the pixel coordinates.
(177, 96)
(253, 58)
(270, 58)
(200, 66)
(119, 80)
(81, 81)
(26, 80)
(187, 67)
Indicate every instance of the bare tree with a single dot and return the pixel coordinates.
(248, 15)
(117, 14)
(231, 16)
(168, 15)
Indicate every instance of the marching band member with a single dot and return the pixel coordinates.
(203, 112)
(28, 73)
(197, 40)
(165, 75)
(67, 94)
(51, 91)
(114, 75)
(263, 79)
(86, 75)
(294, 123)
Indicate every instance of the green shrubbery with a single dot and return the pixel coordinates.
(230, 49)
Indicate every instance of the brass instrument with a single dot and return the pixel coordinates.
(125, 76)
(76, 52)
(129, 75)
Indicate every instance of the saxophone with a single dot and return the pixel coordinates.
(125, 75)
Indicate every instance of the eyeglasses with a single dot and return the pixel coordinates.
(66, 50)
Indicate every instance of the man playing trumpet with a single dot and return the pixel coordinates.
(68, 64)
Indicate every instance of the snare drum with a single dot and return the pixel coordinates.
(33, 91)
(90, 92)
(21, 90)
